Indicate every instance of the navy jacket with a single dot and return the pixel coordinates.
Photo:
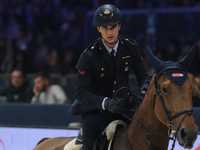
(98, 77)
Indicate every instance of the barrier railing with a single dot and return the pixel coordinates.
(60, 79)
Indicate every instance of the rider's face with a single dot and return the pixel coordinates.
(109, 33)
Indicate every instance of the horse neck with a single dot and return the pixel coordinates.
(145, 116)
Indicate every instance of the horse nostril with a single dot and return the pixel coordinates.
(183, 134)
(187, 137)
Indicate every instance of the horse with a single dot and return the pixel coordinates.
(166, 112)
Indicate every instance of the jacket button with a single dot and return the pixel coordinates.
(115, 82)
(126, 63)
(113, 91)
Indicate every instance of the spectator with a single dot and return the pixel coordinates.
(55, 61)
(2, 48)
(8, 61)
(195, 79)
(41, 57)
(21, 60)
(19, 89)
(45, 93)
(195, 65)
(173, 50)
(70, 61)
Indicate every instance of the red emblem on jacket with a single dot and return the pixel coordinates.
(81, 72)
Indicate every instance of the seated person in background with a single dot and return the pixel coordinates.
(45, 93)
(19, 89)
(195, 79)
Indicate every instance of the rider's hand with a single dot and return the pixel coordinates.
(36, 91)
(113, 105)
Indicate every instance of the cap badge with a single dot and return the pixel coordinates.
(107, 11)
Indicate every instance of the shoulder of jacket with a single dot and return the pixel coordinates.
(92, 47)
(128, 40)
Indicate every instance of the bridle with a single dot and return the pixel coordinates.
(169, 116)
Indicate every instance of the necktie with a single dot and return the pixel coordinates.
(112, 54)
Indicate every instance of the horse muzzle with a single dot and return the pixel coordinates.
(187, 136)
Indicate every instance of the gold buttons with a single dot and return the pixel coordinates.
(113, 91)
(92, 47)
(115, 82)
(102, 69)
(126, 63)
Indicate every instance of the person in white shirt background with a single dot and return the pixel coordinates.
(45, 93)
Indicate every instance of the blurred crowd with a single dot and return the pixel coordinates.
(47, 34)
(175, 52)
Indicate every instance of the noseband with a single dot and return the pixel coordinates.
(169, 116)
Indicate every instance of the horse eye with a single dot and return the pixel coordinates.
(164, 89)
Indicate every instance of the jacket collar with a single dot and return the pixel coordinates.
(109, 49)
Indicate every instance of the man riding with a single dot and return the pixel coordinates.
(103, 68)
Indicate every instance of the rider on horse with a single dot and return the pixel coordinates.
(103, 68)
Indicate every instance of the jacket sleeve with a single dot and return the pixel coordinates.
(84, 82)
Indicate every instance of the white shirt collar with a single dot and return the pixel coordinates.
(109, 49)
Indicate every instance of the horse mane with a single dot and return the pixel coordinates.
(42, 140)
(150, 89)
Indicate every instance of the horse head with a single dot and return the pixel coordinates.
(173, 97)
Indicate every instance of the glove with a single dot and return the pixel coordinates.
(113, 105)
(131, 106)
(143, 90)
(141, 95)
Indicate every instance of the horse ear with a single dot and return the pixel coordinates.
(188, 59)
(155, 62)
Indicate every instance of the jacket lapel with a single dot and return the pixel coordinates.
(106, 57)
(121, 51)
